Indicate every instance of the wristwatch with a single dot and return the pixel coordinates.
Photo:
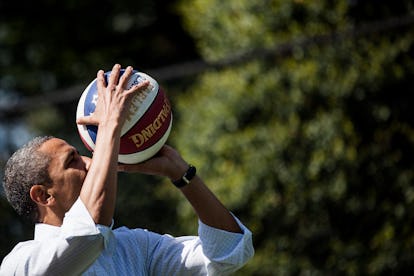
(186, 178)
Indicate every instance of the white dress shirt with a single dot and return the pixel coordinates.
(80, 247)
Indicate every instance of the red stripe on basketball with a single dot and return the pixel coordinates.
(85, 142)
(150, 128)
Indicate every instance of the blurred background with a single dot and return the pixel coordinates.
(297, 114)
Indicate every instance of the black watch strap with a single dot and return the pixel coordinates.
(186, 178)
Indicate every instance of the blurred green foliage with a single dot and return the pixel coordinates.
(309, 143)
(311, 150)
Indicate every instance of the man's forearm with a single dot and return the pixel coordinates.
(99, 189)
(208, 208)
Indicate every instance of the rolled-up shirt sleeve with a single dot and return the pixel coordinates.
(78, 222)
(213, 252)
(76, 245)
(226, 251)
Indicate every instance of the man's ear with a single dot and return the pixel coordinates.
(38, 193)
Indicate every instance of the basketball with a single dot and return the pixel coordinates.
(147, 126)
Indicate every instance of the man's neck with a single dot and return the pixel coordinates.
(52, 218)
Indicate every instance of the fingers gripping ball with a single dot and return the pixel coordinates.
(146, 128)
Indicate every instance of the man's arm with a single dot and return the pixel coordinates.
(224, 243)
(168, 162)
(208, 208)
(99, 188)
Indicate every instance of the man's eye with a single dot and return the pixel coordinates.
(70, 159)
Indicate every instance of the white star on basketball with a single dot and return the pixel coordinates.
(95, 99)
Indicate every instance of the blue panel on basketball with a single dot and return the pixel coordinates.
(90, 105)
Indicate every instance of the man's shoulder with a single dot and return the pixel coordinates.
(141, 236)
(20, 250)
(23, 247)
(126, 231)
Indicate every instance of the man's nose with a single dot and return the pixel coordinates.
(87, 162)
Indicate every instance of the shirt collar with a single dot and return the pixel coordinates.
(45, 231)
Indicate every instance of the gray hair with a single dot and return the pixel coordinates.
(25, 168)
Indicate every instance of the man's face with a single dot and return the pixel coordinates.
(67, 170)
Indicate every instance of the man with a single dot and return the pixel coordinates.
(72, 199)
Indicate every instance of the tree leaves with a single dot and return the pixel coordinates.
(304, 146)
